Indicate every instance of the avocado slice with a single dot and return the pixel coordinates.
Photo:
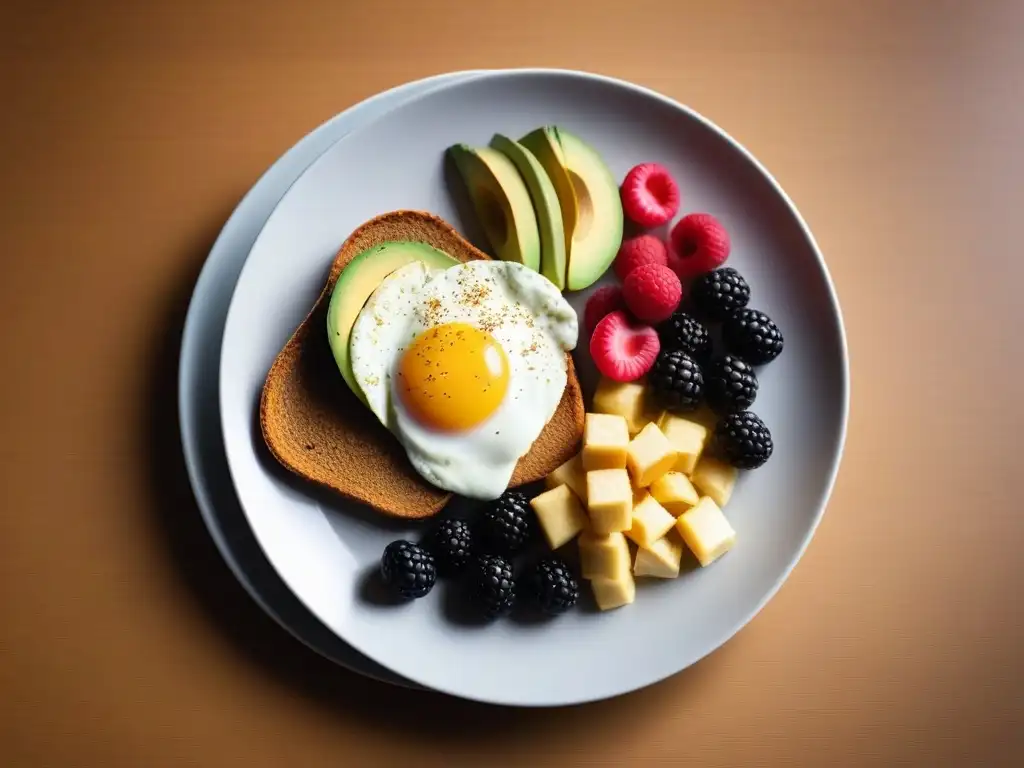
(502, 203)
(544, 144)
(358, 280)
(597, 234)
(545, 205)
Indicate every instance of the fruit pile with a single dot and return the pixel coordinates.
(482, 559)
(641, 492)
(657, 326)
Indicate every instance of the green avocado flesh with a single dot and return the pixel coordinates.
(545, 205)
(358, 280)
(544, 145)
(502, 203)
(597, 233)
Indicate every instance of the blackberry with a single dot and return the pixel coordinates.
(676, 381)
(506, 525)
(730, 385)
(743, 440)
(685, 332)
(752, 335)
(451, 543)
(552, 587)
(719, 293)
(492, 585)
(408, 569)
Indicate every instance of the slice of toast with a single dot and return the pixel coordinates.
(315, 426)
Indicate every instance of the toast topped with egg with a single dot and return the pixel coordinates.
(327, 416)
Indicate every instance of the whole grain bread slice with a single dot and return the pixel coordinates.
(316, 428)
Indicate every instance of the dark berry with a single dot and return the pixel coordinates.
(552, 587)
(492, 585)
(729, 384)
(451, 543)
(752, 335)
(506, 524)
(719, 293)
(743, 440)
(408, 569)
(676, 381)
(685, 332)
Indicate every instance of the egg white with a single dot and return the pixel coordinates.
(382, 328)
(525, 313)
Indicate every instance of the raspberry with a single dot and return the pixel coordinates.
(650, 196)
(606, 299)
(652, 292)
(623, 350)
(699, 244)
(643, 249)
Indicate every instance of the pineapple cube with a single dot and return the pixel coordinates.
(687, 437)
(650, 522)
(560, 515)
(614, 593)
(703, 416)
(674, 492)
(572, 474)
(714, 478)
(706, 531)
(661, 559)
(622, 398)
(609, 500)
(649, 456)
(603, 556)
(605, 437)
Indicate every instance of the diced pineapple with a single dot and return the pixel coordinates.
(603, 556)
(622, 398)
(560, 514)
(609, 500)
(649, 456)
(688, 438)
(650, 522)
(661, 559)
(674, 492)
(614, 593)
(703, 416)
(605, 437)
(714, 478)
(706, 531)
(572, 474)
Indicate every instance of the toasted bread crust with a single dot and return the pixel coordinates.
(315, 427)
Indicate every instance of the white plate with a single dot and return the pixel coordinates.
(325, 553)
(198, 405)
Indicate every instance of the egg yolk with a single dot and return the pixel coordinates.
(453, 376)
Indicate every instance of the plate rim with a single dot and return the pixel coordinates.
(194, 335)
(844, 365)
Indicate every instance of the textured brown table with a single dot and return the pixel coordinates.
(129, 134)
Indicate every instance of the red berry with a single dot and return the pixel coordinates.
(650, 196)
(652, 292)
(606, 299)
(699, 244)
(643, 249)
(623, 350)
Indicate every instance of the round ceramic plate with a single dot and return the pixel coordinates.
(198, 404)
(326, 551)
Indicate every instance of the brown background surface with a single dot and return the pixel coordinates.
(130, 131)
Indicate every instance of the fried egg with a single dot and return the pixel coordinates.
(465, 366)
